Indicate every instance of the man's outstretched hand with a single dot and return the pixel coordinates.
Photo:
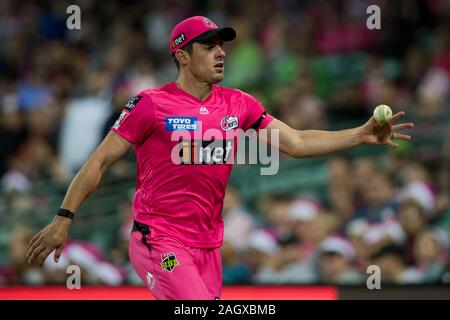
(375, 133)
(48, 239)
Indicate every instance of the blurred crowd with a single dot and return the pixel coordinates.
(313, 64)
(389, 216)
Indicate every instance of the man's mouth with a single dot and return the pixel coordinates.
(219, 65)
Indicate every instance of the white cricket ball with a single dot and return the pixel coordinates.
(382, 113)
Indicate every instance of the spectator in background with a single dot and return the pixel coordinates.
(18, 271)
(262, 248)
(13, 128)
(239, 222)
(340, 189)
(245, 62)
(275, 209)
(285, 267)
(335, 262)
(26, 149)
(363, 170)
(305, 109)
(378, 199)
(341, 30)
(311, 226)
(307, 112)
(295, 260)
(384, 233)
(32, 160)
(17, 178)
(34, 92)
(413, 221)
(394, 269)
(234, 270)
(419, 187)
(431, 254)
(284, 63)
(355, 232)
(89, 258)
(434, 92)
(83, 122)
(141, 77)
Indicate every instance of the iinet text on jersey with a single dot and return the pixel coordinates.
(214, 147)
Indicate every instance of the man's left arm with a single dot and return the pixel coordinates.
(310, 143)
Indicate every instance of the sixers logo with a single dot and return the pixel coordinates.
(209, 23)
(229, 122)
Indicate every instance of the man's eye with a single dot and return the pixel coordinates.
(210, 47)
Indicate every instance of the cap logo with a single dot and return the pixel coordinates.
(178, 40)
(209, 23)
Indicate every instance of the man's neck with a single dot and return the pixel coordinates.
(200, 90)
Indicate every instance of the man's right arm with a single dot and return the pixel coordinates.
(84, 183)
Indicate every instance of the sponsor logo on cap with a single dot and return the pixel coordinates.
(178, 40)
(209, 23)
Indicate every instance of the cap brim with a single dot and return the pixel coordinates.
(225, 33)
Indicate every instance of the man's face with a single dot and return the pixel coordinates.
(206, 62)
(332, 265)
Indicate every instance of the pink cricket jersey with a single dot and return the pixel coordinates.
(183, 199)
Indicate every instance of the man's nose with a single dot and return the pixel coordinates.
(220, 52)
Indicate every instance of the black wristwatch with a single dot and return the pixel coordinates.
(65, 213)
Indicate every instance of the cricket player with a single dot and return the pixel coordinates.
(178, 228)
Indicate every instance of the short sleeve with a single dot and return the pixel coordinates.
(137, 120)
(256, 116)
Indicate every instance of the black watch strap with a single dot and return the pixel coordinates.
(65, 213)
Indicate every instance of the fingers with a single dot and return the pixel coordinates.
(58, 253)
(39, 255)
(391, 143)
(42, 256)
(397, 116)
(36, 236)
(35, 253)
(402, 126)
(403, 137)
(36, 243)
(375, 123)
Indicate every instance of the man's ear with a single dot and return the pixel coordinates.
(182, 57)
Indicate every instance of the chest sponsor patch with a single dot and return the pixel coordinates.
(193, 152)
(181, 123)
